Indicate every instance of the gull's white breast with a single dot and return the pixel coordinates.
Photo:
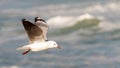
(38, 46)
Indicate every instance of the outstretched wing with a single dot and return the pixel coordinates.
(43, 25)
(34, 32)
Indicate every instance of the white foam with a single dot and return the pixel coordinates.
(108, 26)
(61, 21)
(65, 21)
(85, 16)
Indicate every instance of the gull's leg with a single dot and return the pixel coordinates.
(26, 52)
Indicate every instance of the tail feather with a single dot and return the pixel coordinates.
(23, 48)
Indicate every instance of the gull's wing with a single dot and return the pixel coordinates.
(34, 32)
(43, 25)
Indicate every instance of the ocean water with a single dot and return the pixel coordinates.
(97, 46)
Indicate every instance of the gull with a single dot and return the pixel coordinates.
(37, 36)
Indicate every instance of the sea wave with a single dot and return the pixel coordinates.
(65, 21)
(80, 24)
(68, 21)
(64, 15)
(65, 24)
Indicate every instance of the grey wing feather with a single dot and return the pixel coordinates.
(33, 31)
(44, 28)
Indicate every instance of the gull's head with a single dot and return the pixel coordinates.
(53, 44)
(39, 19)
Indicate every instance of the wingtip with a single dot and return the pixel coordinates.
(23, 19)
(36, 17)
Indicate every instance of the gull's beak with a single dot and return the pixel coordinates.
(58, 47)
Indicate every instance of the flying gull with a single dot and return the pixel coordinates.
(37, 35)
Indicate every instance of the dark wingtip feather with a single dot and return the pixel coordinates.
(23, 19)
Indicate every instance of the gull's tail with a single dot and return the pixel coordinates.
(23, 48)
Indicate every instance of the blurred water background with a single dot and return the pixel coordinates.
(87, 30)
